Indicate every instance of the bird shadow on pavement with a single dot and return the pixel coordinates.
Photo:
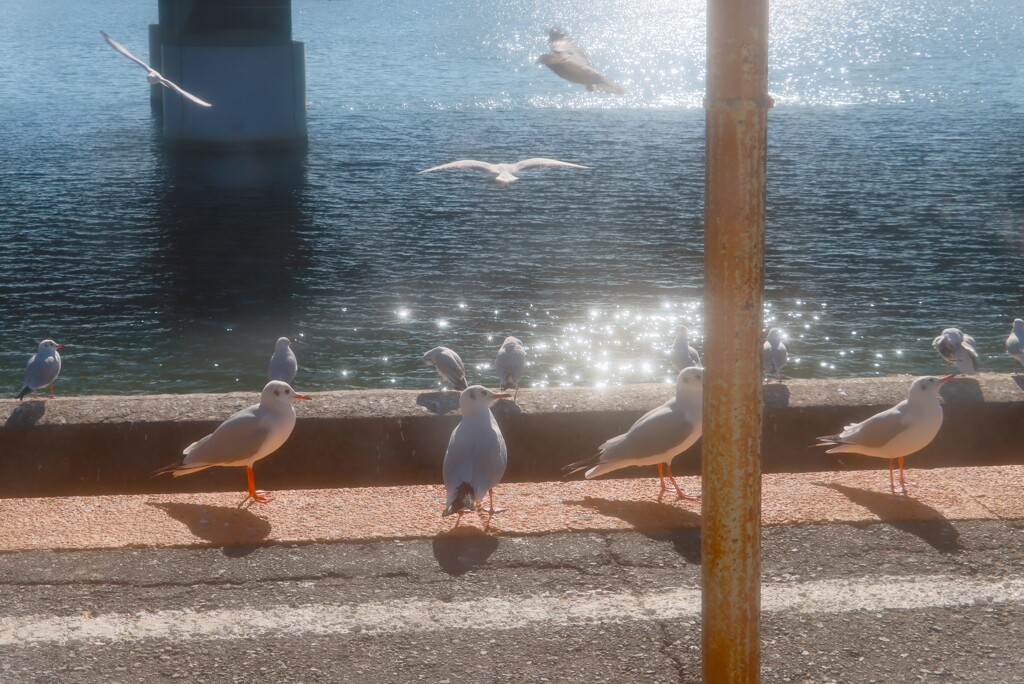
(461, 549)
(775, 395)
(961, 390)
(439, 402)
(1019, 379)
(26, 414)
(237, 530)
(906, 514)
(659, 521)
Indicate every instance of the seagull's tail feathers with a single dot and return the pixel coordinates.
(610, 87)
(23, 393)
(588, 462)
(178, 469)
(460, 383)
(462, 501)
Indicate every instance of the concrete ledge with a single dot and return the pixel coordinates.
(111, 444)
(383, 513)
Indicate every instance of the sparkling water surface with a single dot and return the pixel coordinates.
(895, 196)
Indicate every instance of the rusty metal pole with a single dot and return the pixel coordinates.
(736, 125)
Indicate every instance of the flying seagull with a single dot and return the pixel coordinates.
(907, 427)
(152, 75)
(503, 173)
(570, 62)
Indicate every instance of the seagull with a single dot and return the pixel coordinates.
(448, 365)
(244, 438)
(682, 354)
(958, 350)
(152, 75)
(907, 427)
(503, 173)
(42, 369)
(1015, 342)
(569, 61)
(476, 457)
(774, 354)
(283, 364)
(656, 438)
(510, 364)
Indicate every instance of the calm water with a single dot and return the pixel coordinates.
(895, 207)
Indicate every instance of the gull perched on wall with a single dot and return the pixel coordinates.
(502, 173)
(283, 365)
(152, 75)
(774, 354)
(682, 354)
(448, 365)
(569, 61)
(958, 349)
(42, 369)
(510, 364)
(1015, 342)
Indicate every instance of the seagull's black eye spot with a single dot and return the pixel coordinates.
(287, 391)
(277, 393)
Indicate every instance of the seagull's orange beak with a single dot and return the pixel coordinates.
(302, 396)
(947, 378)
(60, 346)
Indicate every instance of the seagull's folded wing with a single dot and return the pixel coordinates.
(659, 431)
(876, 431)
(236, 440)
(464, 164)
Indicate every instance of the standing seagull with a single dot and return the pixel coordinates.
(503, 173)
(907, 427)
(510, 364)
(569, 61)
(774, 354)
(958, 350)
(657, 437)
(42, 369)
(448, 365)
(682, 354)
(244, 438)
(1015, 342)
(476, 456)
(283, 364)
(152, 75)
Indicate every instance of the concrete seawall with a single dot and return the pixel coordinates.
(112, 444)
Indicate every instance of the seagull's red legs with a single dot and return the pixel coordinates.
(257, 495)
(680, 494)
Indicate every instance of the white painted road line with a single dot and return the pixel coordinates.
(510, 612)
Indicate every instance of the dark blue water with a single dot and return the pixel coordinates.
(895, 204)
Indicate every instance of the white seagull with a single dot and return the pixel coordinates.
(682, 354)
(503, 173)
(907, 427)
(656, 438)
(152, 75)
(774, 354)
(42, 369)
(448, 365)
(476, 457)
(569, 61)
(510, 364)
(283, 364)
(1015, 342)
(244, 438)
(958, 349)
